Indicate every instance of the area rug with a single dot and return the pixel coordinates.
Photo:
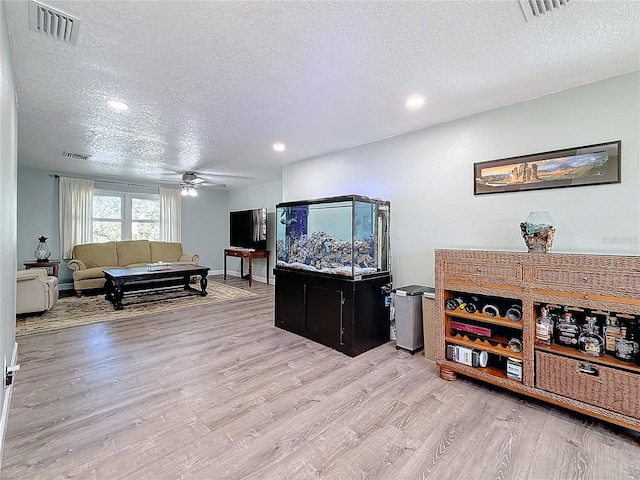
(73, 311)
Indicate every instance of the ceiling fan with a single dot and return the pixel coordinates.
(190, 181)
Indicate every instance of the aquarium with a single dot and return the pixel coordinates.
(347, 235)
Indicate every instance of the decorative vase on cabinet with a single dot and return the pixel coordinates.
(42, 252)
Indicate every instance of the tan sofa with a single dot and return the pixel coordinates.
(90, 259)
(36, 291)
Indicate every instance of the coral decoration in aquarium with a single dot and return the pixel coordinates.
(346, 235)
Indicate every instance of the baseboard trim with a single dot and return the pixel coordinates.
(5, 406)
(237, 274)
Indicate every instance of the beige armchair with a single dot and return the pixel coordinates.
(36, 291)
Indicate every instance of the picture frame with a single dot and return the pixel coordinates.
(595, 164)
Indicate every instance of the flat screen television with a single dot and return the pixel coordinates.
(248, 229)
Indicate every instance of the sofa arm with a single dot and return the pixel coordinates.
(75, 265)
(189, 257)
(31, 274)
(50, 284)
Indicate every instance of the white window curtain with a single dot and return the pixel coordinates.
(170, 207)
(76, 204)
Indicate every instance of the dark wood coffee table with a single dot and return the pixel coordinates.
(121, 280)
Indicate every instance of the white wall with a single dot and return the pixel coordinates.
(38, 215)
(205, 227)
(8, 215)
(265, 195)
(428, 177)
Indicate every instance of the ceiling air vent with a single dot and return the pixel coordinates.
(535, 8)
(76, 156)
(53, 23)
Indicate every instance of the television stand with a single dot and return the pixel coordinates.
(249, 254)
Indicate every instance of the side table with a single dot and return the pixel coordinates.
(243, 253)
(53, 264)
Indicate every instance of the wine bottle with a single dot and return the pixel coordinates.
(491, 310)
(473, 304)
(514, 313)
(453, 303)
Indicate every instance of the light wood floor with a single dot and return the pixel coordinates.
(219, 393)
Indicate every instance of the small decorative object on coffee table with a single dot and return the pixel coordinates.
(538, 232)
(160, 265)
(42, 252)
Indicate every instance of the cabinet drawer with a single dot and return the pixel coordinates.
(587, 281)
(606, 387)
(462, 270)
(236, 253)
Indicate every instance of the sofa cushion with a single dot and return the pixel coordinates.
(133, 251)
(165, 251)
(94, 272)
(96, 254)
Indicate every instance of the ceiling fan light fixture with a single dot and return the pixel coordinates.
(188, 189)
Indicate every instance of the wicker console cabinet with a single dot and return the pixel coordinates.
(602, 387)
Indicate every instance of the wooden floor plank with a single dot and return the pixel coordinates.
(217, 392)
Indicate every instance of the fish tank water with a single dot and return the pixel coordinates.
(347, 235)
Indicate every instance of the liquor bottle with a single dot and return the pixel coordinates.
(567, 331)
(626, 345)
(632, 334)
(611, 333)
(638, 338)
(590, 342)
(544, 328)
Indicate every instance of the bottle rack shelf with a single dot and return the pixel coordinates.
(483, 372)
(481, 317)
(482, 344)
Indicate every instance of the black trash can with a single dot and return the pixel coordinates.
(408, 315)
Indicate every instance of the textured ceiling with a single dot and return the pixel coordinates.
(212, 85)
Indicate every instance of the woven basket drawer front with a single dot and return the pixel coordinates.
(613, 389)
(602, 280)
(463, 269)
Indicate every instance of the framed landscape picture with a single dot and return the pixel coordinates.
(571, 167)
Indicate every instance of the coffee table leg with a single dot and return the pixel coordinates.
(108, 290)
(203, 285)
(117, 297)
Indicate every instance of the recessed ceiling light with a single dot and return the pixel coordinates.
(278, 147)
(415, 101)
(117, 104)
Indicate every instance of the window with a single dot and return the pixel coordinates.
(125, 216)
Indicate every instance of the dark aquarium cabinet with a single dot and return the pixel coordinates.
(339, 312)
(333, 271)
